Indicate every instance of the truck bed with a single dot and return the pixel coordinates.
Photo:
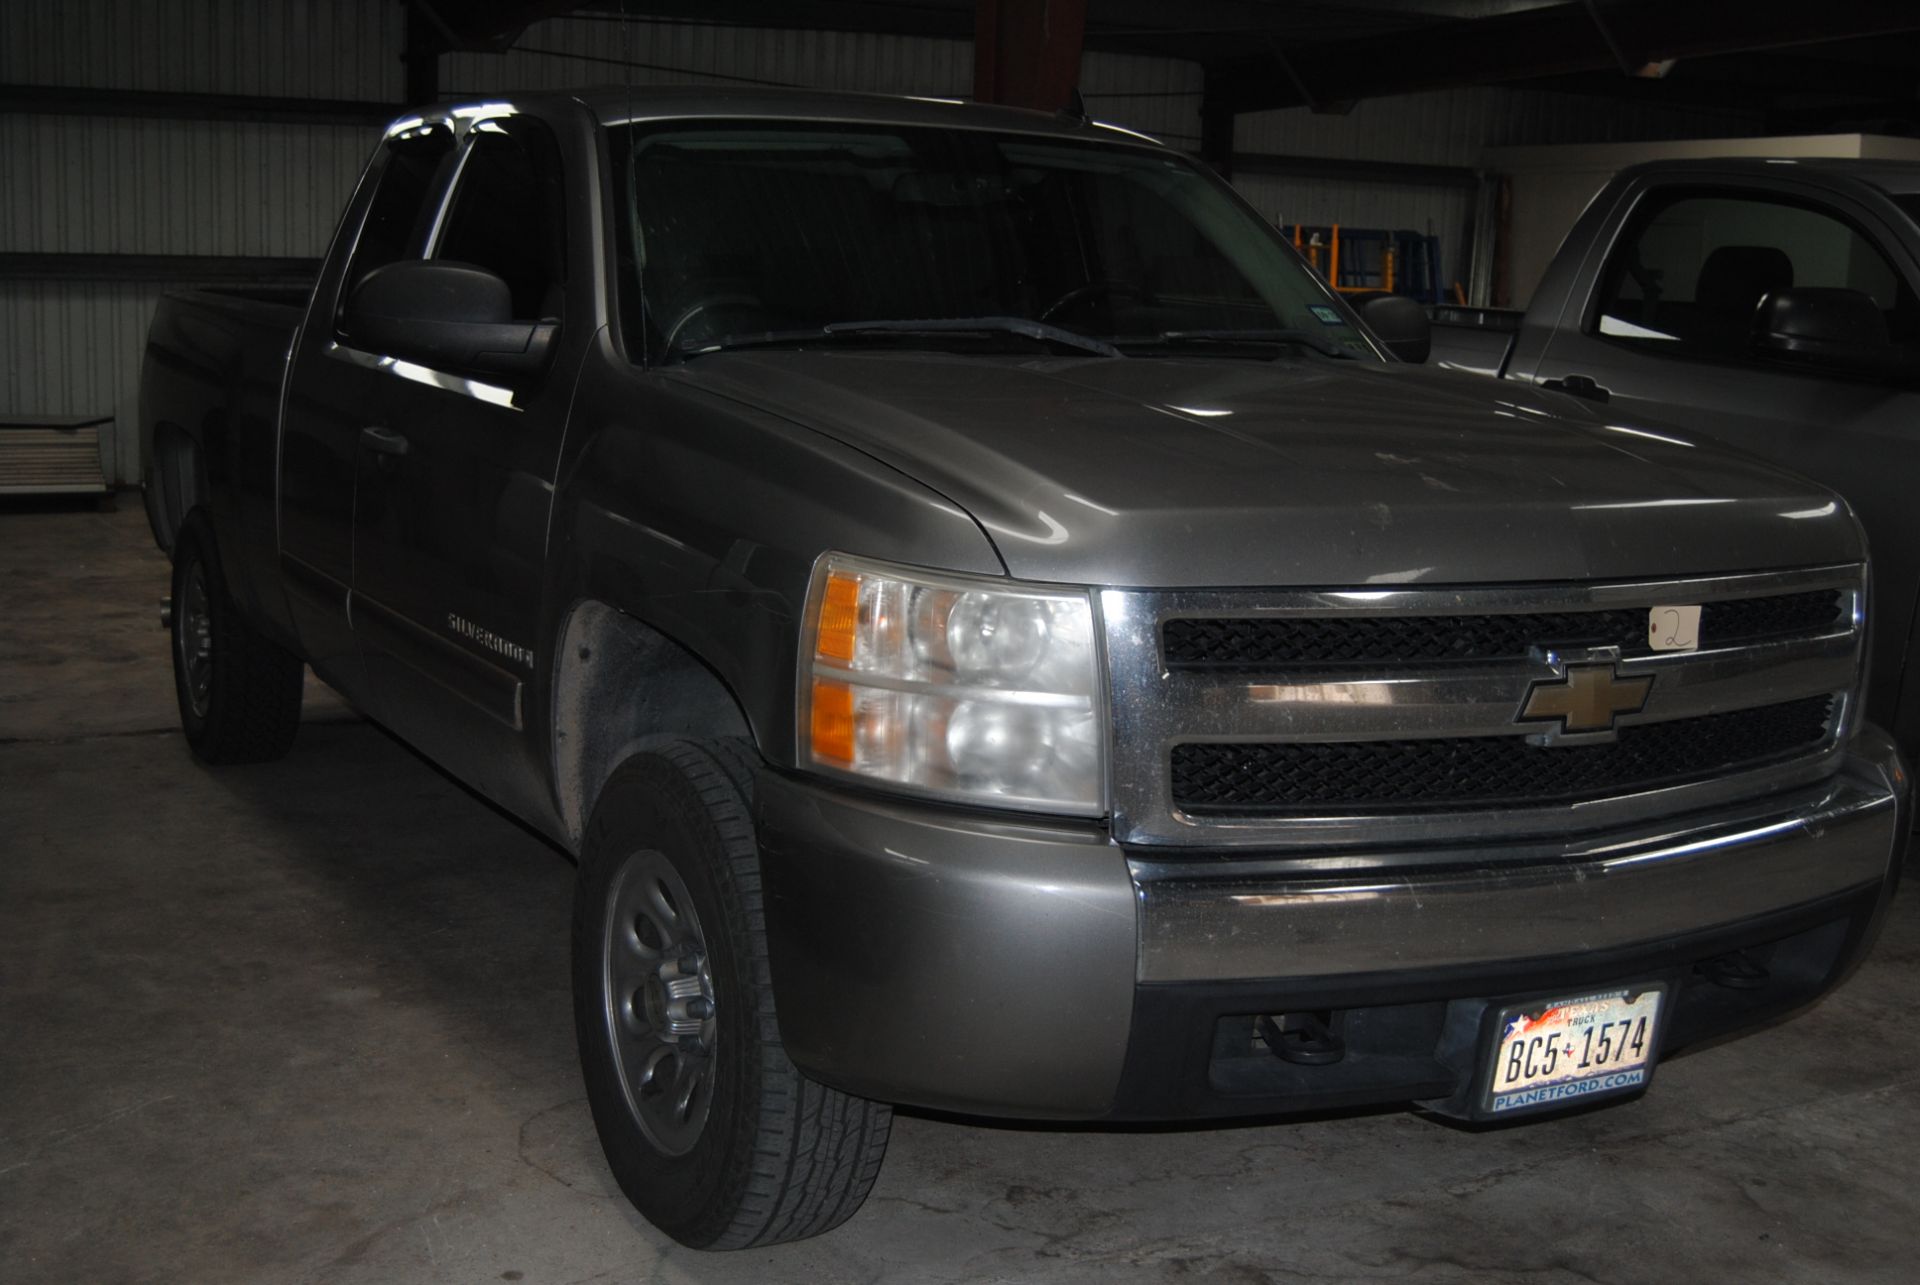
(209, 414)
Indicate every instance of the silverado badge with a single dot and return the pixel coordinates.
(1588, 699)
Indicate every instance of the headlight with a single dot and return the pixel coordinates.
(965, 688)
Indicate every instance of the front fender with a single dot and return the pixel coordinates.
(702, 519)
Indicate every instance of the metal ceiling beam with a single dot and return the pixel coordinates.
(1341, 167)
(949, 19)
(80, 100)
(169, 269)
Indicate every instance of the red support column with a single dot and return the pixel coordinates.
(1026, 53)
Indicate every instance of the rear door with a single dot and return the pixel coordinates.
(327, 390)
(1666, 329)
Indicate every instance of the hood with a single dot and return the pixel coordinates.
(1157, 472)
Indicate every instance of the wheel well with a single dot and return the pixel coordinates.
(174, 487)
(621, 686)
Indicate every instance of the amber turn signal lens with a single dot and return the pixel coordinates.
(833, 723)
(839, 618)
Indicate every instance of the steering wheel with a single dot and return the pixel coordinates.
(708, 303)
(1091, 290)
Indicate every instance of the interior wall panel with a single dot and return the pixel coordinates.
(1449, 127)
(1158, 96)
(73, 348)
(562, 52)
(107, 185)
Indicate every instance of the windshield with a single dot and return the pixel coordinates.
(736, 234)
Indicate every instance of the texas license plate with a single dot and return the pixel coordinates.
(1555, 1052)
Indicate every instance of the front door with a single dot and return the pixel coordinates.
(454, 485)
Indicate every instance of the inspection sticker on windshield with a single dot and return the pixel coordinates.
(1673, 628)
(1328, 316)
(1555, 1052)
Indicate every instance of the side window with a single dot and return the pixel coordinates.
(507, 214)
(401, 214)
(1692, 269)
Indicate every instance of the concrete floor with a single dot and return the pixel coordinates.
(309, 1022)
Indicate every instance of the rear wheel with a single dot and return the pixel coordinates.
(709, 1129)
(238, 690)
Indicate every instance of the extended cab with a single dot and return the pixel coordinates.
(1772, 305)
(1000, 636)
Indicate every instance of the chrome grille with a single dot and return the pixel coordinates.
(1486, 771)
(1365, 640)
(1313, 743)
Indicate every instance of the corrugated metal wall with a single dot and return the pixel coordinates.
(287, 48)
(107, 185)
(102, 185)
(94, 184)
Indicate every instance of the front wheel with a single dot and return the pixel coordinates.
(709, 1129)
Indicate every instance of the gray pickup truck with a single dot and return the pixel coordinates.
(999, 636)
(1770, 305)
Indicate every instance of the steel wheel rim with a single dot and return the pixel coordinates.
(194, 640)
(657, 993)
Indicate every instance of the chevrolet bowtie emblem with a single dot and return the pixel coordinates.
(1588, 699)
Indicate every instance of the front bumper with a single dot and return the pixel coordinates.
(946, 959)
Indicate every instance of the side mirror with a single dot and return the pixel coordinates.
(1400, 323)
(1826, 325)
(452, 315)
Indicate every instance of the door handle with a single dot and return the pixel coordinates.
(384, 440)
(1579, 386)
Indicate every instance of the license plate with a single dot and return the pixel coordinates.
(1556, 1052)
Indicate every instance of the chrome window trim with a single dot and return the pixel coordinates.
(449, 194)
(1152, 709)
(400, 367)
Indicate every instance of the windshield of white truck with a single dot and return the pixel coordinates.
(768, 234)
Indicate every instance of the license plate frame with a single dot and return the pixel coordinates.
(1570, 1016)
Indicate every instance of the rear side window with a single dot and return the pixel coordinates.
(507, 213)
(1693, 268)
(401, 215)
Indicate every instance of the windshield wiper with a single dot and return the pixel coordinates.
(1305, 338)
(1039, 330)
(1031, 329)
(754, 339)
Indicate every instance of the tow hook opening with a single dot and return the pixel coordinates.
(1310, 1038)
(1737, 970)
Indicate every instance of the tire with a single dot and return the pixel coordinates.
(238, 690)
(673, 1005)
